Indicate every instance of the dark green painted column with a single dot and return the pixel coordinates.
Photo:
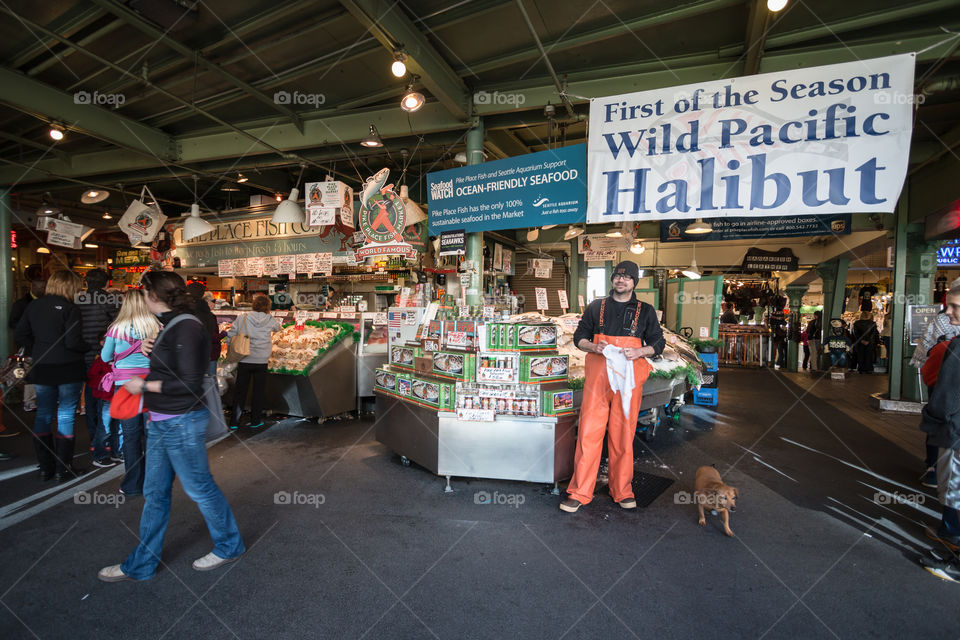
(795, 293)
(475, 240)
(921, 268)
(6, 272)
(576, 265)
(834, 274)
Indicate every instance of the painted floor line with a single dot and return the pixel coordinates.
(772, 467)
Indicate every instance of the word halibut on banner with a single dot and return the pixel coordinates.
(822, 140)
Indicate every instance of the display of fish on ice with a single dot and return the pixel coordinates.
(373, 184)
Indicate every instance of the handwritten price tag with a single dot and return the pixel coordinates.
(330, 315)
(476, 415)
(457, 339)
(379, 319)
(564, 303)
(542, 298)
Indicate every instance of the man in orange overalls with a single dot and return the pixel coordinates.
(622, 321)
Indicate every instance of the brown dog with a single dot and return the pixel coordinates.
(710, 492)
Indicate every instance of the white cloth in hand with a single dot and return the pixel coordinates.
(620, 375)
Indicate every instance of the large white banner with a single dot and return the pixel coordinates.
(822, 140)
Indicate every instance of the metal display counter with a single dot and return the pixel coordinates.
(529, 449)
(330, 388)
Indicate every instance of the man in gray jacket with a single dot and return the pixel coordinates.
(258, 325)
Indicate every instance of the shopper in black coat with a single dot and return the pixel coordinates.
(52, 327)
(201, 309)
(98, 309)
(865, 337)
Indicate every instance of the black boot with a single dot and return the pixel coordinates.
(43, 445)
(65, 471)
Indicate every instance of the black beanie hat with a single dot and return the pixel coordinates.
(629, 269)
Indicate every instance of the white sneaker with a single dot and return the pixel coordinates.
(113, 573)
(211, 561)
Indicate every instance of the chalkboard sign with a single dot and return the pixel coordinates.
(918, 317)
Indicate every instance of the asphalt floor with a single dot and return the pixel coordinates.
(346, 542)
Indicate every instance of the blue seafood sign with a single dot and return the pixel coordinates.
(534, 190)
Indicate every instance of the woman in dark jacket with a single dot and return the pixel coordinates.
(176, 444)
(865, 337)
(51, 328)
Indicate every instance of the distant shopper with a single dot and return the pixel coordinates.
(805, 343)
(281, 300)
(939, 329)
(729, 316)
(201, 308)
(941, 420)
(865, 339)
(778, 324)
(123, 348)
(52, 328)
(173, 394)
(98, 309)
(258, 325)
(814, 337)
(34, 275)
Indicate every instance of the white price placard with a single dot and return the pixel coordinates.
(325, 264)
(488, 312)
(271, 265)
(580, 300)
(457, 339)
(704, 332)
(321, 216)
(542, 298)
(288, 265)
(476, 415)
(306, 263)
(564, 303)
(463, 310)
(347, 308)
(379, 318)
(330, 315)
(225, 268)
(312, 315)
(299, 317)
(496, 374)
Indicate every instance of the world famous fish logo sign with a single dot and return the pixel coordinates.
(382, 217)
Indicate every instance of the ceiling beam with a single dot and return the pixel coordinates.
(67, 24)
(334, 130)
(46, 103)
(506, 143)
(138, 22)
(392, 28)
(756, 35)
(859, 21)
(33, 144)
(570, 41)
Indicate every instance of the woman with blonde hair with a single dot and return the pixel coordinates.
(122, 349)
(51, 327)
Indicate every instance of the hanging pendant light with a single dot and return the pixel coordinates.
(548, 226)
(533, 234)
(93, 196)
(195, 226)
(412, 100)
(636, 247)
(289, 211)
(572, 232)
(373, 139)
(698, 228)
(692, 272)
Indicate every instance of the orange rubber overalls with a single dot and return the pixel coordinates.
(601, 405)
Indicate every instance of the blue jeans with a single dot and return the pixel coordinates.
(178, 448)
(133, 438)
(58, 400)
(92, 413)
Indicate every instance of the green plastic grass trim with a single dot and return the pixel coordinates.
(697, 343)
(577, 383)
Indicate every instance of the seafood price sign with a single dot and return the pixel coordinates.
(547, 187)
(821, 140)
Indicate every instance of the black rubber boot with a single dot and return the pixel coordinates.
(43, 445)
(65, 471)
